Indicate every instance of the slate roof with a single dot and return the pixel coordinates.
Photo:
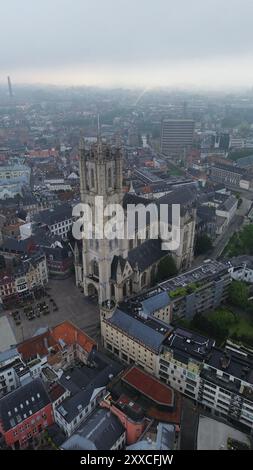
(139, 330)
(8, 354)
(185, 196)
(100, 431)
(245, 162)
(229, 168)
(83, 382)
(14, 245)
(130, 198)
(228, 203)
(156, 302)
(146, 254)
(52, 216)
(23, 403)
(165, 439)
(206, 214)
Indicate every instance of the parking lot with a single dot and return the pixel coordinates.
(62, 301)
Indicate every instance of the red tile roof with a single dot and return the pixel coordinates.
(36, 346)
(66, 331)
(149, 386)
(70, 334)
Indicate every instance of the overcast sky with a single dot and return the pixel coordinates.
(127, 42)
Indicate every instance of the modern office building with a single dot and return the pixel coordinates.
(176, 136)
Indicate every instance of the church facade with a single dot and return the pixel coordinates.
(118, 268)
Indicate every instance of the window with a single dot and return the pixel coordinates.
(109, 178)
(189, 387)
(192, 382)
(92, 178)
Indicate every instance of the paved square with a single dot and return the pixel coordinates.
(72, 305)
(7, 337)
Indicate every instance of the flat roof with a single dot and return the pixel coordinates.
(232, 363)
(210, 269)
(186, 344)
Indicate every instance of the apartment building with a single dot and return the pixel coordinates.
(199, 289)
(24, 414)
(220, 380)
(226, 385)
(134, 335)
(19, 280)
(13, 371)
(181, 358)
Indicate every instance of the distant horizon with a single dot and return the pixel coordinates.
(123, 43)
(173, 87)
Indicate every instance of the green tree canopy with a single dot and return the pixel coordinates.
(166, 268)
(203, 244)
(238, 294)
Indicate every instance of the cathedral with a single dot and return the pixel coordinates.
(118, 268)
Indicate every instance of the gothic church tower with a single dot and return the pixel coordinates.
(100, 175)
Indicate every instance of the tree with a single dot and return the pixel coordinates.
(202, 324)
(241, 243)
(244, 129)
(238, 294)
(223, 319)
(166, 268)
(203, 244)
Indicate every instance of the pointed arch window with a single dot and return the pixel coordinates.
(109, 178)
(92, 178)
(95, 268)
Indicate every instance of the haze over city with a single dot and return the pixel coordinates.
(126, 231)
(123, 42)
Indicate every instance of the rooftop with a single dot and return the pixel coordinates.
(140, 395)
(233, 363)
(8, 354)
(148, 331)
(149, 386)
(230, 168)
(52, 216)
(100, 431)
(57, 337)
(83, 380)
(188, 344)
(207, 271)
